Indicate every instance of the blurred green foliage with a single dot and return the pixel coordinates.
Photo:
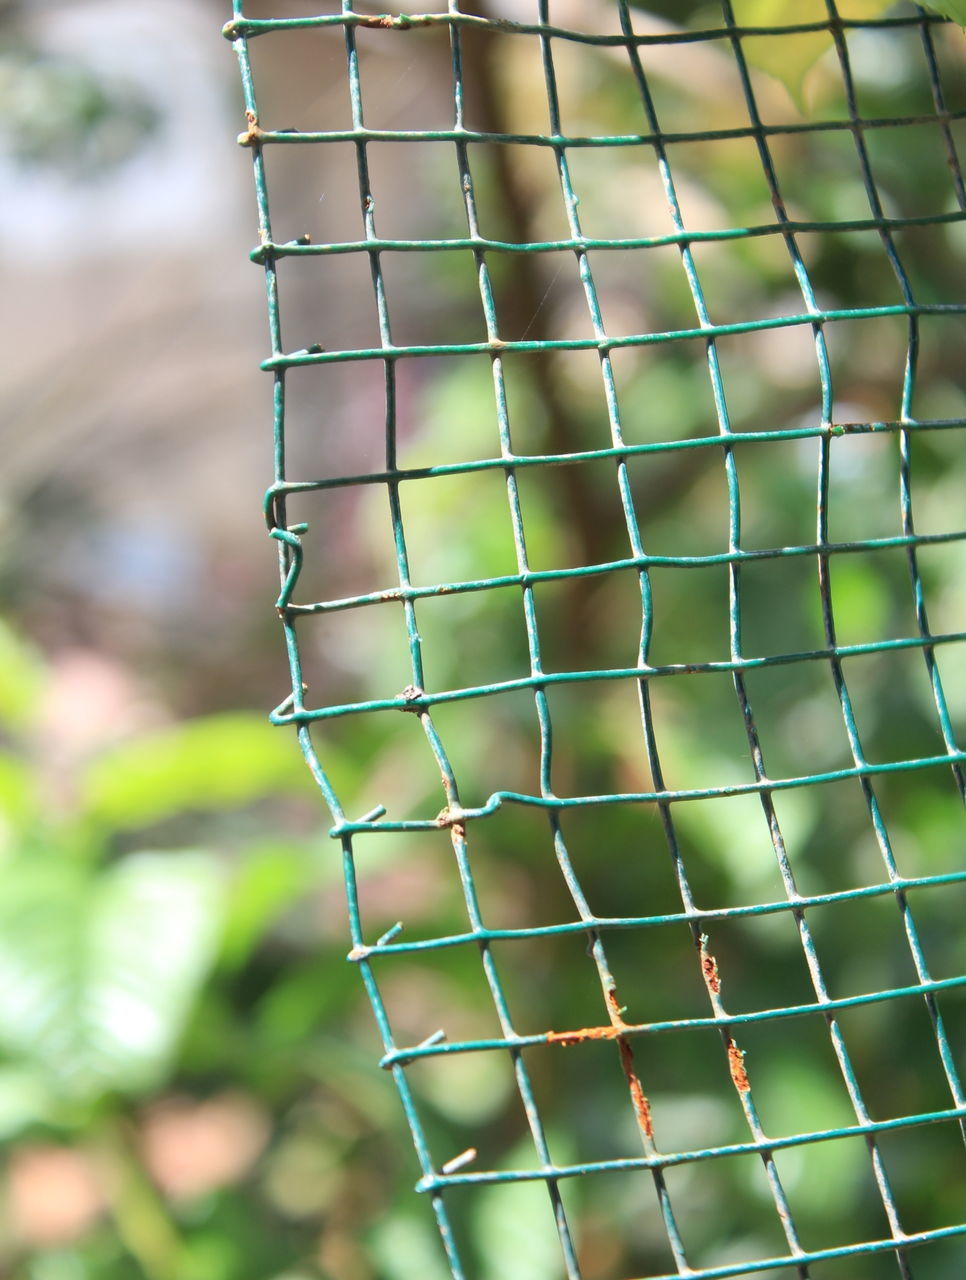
(62, 115)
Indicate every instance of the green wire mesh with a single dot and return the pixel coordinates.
(635, 1045)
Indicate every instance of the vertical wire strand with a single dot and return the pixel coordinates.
(710, 973)
(613, 1008)
(942, 111)
(453, 805)
(805, 286)
(488, 305)
(733, 1056)
(946, 1056)
(638, 1097)
(542, 705)
(908, 383)
(402, 557)
(290, 559)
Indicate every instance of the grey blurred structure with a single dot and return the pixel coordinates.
(132, 407)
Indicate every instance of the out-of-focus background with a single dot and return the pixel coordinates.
(188, 1080)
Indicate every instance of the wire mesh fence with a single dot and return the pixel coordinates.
(651, 608)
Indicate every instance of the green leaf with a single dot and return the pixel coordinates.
(98, 970)
(514, 1229)
(217, 762)
(955, 9)
(408, 1248)
(269, 879)
(789, 58)
(24, 1101)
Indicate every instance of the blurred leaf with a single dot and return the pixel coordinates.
(862, 599)
(514, 1229)
(269, 879)
(353, 1071)
(217, 762)
(17, 791)
(21, 679)
(209, 1256)
(69, 116)
(59, 1265)
(23, 1101)
(955, 9)
(301, 1000)
(98, 970)
(470, 1089)
(789, 58)
(408, 1248)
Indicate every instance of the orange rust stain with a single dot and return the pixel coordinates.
(642, 1108)
(709, 969)
(613, 1032)
(614, 1008)
(583, 1035)
(253, 133)
(445, 819)
(736, 1064)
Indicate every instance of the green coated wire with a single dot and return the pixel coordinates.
(732, 446)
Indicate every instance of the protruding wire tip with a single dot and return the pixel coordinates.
(435, 1038)
(390, 934)
(459, 1162)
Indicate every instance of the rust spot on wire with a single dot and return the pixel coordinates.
(583, 1035)
(451, 818)
(709, 967)
(389, 22)
(612, 1032)
(615, 1009)
(253, 134)
(615, 1031)
(736, 1065)
(642, 1108)
(410, 696)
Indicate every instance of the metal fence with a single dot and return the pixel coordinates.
(634, 1022)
